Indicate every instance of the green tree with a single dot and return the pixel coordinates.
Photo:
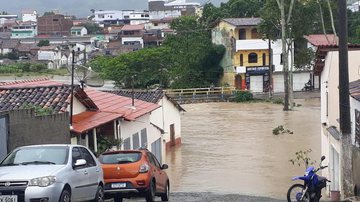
(48, 13)
(43, 43)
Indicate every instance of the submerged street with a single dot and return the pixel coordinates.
(229, 148)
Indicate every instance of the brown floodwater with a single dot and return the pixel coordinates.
(230, 148)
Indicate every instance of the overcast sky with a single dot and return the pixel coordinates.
(80, 8)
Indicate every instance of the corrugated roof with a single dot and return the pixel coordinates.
(108, 102)
(322, 39)
(243, 21)
(91, 119)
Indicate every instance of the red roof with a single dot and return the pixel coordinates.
(108, 102)
(91, 119)
(322, 39)
(31, 83)
(132, 27)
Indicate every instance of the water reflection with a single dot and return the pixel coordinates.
(230, 148)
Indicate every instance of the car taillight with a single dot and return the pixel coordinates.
(144, 168)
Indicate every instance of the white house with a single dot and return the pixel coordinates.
(51, 55)
(327, 66)
(354, 7)
(167, 117)
(132, 35)
(118, 17)
(24, 30)
(29, 15)
(172, 8)
(78, 31)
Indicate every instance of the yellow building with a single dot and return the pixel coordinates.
(246, 60)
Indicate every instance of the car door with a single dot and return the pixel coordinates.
(79, 177)
(158, 173)
(93, 173)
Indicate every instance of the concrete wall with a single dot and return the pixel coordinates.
(355, 169)
(330, 107)
(27, 129)
(166, 115)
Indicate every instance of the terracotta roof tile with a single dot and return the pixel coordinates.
(88, 120)
(108, 102)
(243, 21)
(322, 39)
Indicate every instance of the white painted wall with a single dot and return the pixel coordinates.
(330, 101)
(299, 80)
(354, 105)
(132, 39)
(29, 16)
(166, 115)
(128, 128)
(78, 107)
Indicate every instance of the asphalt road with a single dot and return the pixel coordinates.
(209, 197)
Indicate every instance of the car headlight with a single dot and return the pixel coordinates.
(42, 181)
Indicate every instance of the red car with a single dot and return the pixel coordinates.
(134, 173)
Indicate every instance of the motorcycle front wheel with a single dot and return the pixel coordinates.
(296, 193)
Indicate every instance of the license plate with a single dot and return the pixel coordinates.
(118, 185)
(8, 198)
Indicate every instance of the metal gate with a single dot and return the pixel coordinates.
(156, 149)
(3, 137)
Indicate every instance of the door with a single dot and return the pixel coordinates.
(256, 83)
(3, 137)
(156, 149)
(172, 135)
(238, 81)
(79, 177)
(335, 168)
(93, 171)
(158, 173)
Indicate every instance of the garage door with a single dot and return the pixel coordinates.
(256, 83)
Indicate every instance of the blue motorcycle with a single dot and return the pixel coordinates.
(310, 191)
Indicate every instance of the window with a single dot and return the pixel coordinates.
(242, 34)
(144, 138)
(136, 141)
(357, 126)
(155, 161)
(253, 58)
(87, 156)
(55, 20)
(264, 59)
(281, 59)
(101, 16)
(241, 60)
(76, 155)
(156, 24)
(127, 145)
(254, 34)
(121, 158)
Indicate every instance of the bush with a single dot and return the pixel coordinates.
(243, 96)
(9, 69)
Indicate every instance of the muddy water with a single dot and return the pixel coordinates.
(230, 148)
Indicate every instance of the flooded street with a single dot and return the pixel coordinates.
(229, 147)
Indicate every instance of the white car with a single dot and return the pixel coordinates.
(51, 173)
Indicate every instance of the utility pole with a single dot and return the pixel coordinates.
(344, 103)
(270, 71)
(72, 88)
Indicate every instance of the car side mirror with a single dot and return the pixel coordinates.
(80, 163)
(322, 158)
(164, 166)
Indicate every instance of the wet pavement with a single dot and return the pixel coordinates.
(229, 148)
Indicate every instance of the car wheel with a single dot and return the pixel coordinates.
(99, 197)
(165, 196)
(118, 198)
(150, 194)
(65, 196)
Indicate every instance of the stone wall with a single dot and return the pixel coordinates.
(27, 129)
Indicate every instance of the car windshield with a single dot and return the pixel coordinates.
(120, 158)
(37, 156)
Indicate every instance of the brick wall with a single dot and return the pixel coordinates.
(27, 129)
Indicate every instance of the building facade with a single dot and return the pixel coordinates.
(54, 25)
(24, 30)
(172, 8)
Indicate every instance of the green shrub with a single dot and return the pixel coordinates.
(9, 69)
(243, 96)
